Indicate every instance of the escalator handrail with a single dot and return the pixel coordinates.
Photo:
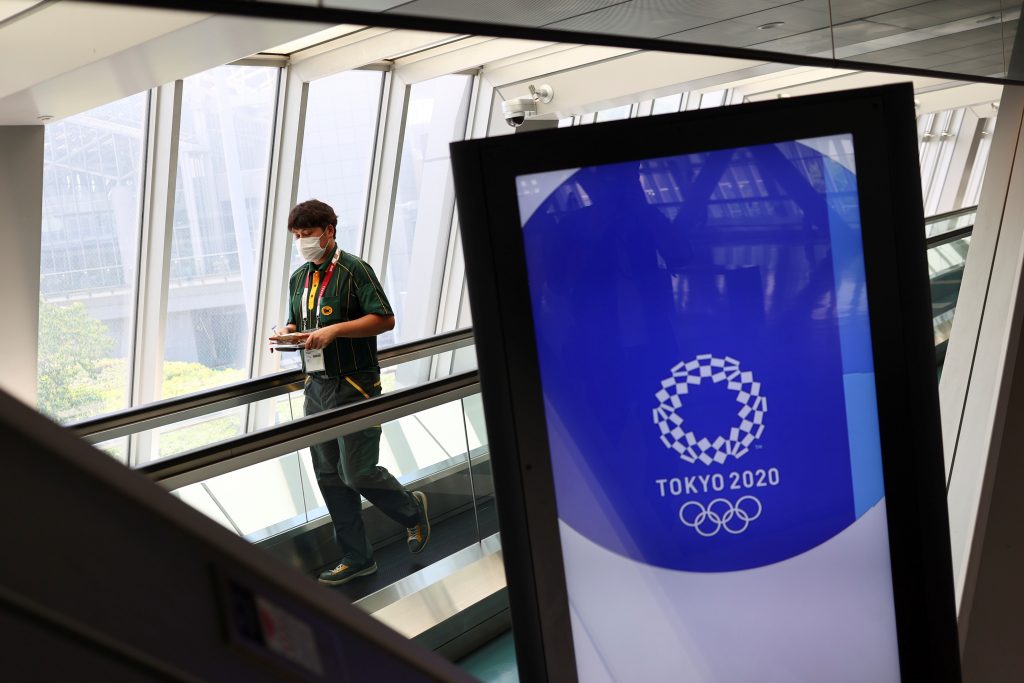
(951, 236)
(264, 444)
(159, 413)
(939, 217)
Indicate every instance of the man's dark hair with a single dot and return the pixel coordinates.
(312, 214)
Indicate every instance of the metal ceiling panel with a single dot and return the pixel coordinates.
(817, 42)
(762, 28)
(937, 12)
(861, 31)
(712, 9)
(625, 19)
(831, 29)
(848, 10)
(515, 12)
(977, 52)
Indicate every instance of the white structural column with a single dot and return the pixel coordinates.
(21, 199)
(387, 165)
(277, 243)
(157, 233)
(982, 399)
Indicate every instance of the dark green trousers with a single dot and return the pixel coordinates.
(347, 467)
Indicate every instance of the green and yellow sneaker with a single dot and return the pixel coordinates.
(344, 573)
(418, 535)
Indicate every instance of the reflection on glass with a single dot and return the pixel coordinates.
(424, 202)
(92, 182)
(945, 273)
(223, 163)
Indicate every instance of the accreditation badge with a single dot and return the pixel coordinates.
(314, 359)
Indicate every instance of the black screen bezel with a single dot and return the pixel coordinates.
(882, 123)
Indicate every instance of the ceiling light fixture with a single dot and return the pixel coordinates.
(770, 24)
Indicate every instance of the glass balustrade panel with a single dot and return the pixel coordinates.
(278, 504)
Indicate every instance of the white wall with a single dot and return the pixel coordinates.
(21, 217)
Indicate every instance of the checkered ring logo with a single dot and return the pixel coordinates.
(672, 402)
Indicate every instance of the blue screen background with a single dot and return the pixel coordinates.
(752, 254)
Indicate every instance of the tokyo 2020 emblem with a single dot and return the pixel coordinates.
(672, 404)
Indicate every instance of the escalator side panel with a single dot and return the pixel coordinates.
(99, 545)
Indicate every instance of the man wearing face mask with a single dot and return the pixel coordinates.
(336, 298)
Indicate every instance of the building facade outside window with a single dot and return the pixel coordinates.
(424, 203)
(227, 123)
(92, 184)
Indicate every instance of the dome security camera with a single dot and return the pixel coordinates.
(517, 110)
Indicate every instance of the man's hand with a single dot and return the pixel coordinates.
(280, 331)
(320, 338)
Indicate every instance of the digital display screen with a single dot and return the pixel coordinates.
(705, 359)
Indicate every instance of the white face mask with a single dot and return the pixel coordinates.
(310, 249)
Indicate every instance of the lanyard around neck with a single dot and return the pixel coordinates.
(323, 288)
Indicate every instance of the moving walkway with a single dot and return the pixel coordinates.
(106, 580)
(451, 597)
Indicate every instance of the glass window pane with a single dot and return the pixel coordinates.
(945, 273)
(423, 205)
(709, 100)
(337, 148)
(227, 122)
(92, 182)
(480, 464)
(116, 448)
(614, 114)
(267, 497)
(667, 104)
(282, 493)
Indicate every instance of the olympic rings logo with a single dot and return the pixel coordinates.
(720, 514)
